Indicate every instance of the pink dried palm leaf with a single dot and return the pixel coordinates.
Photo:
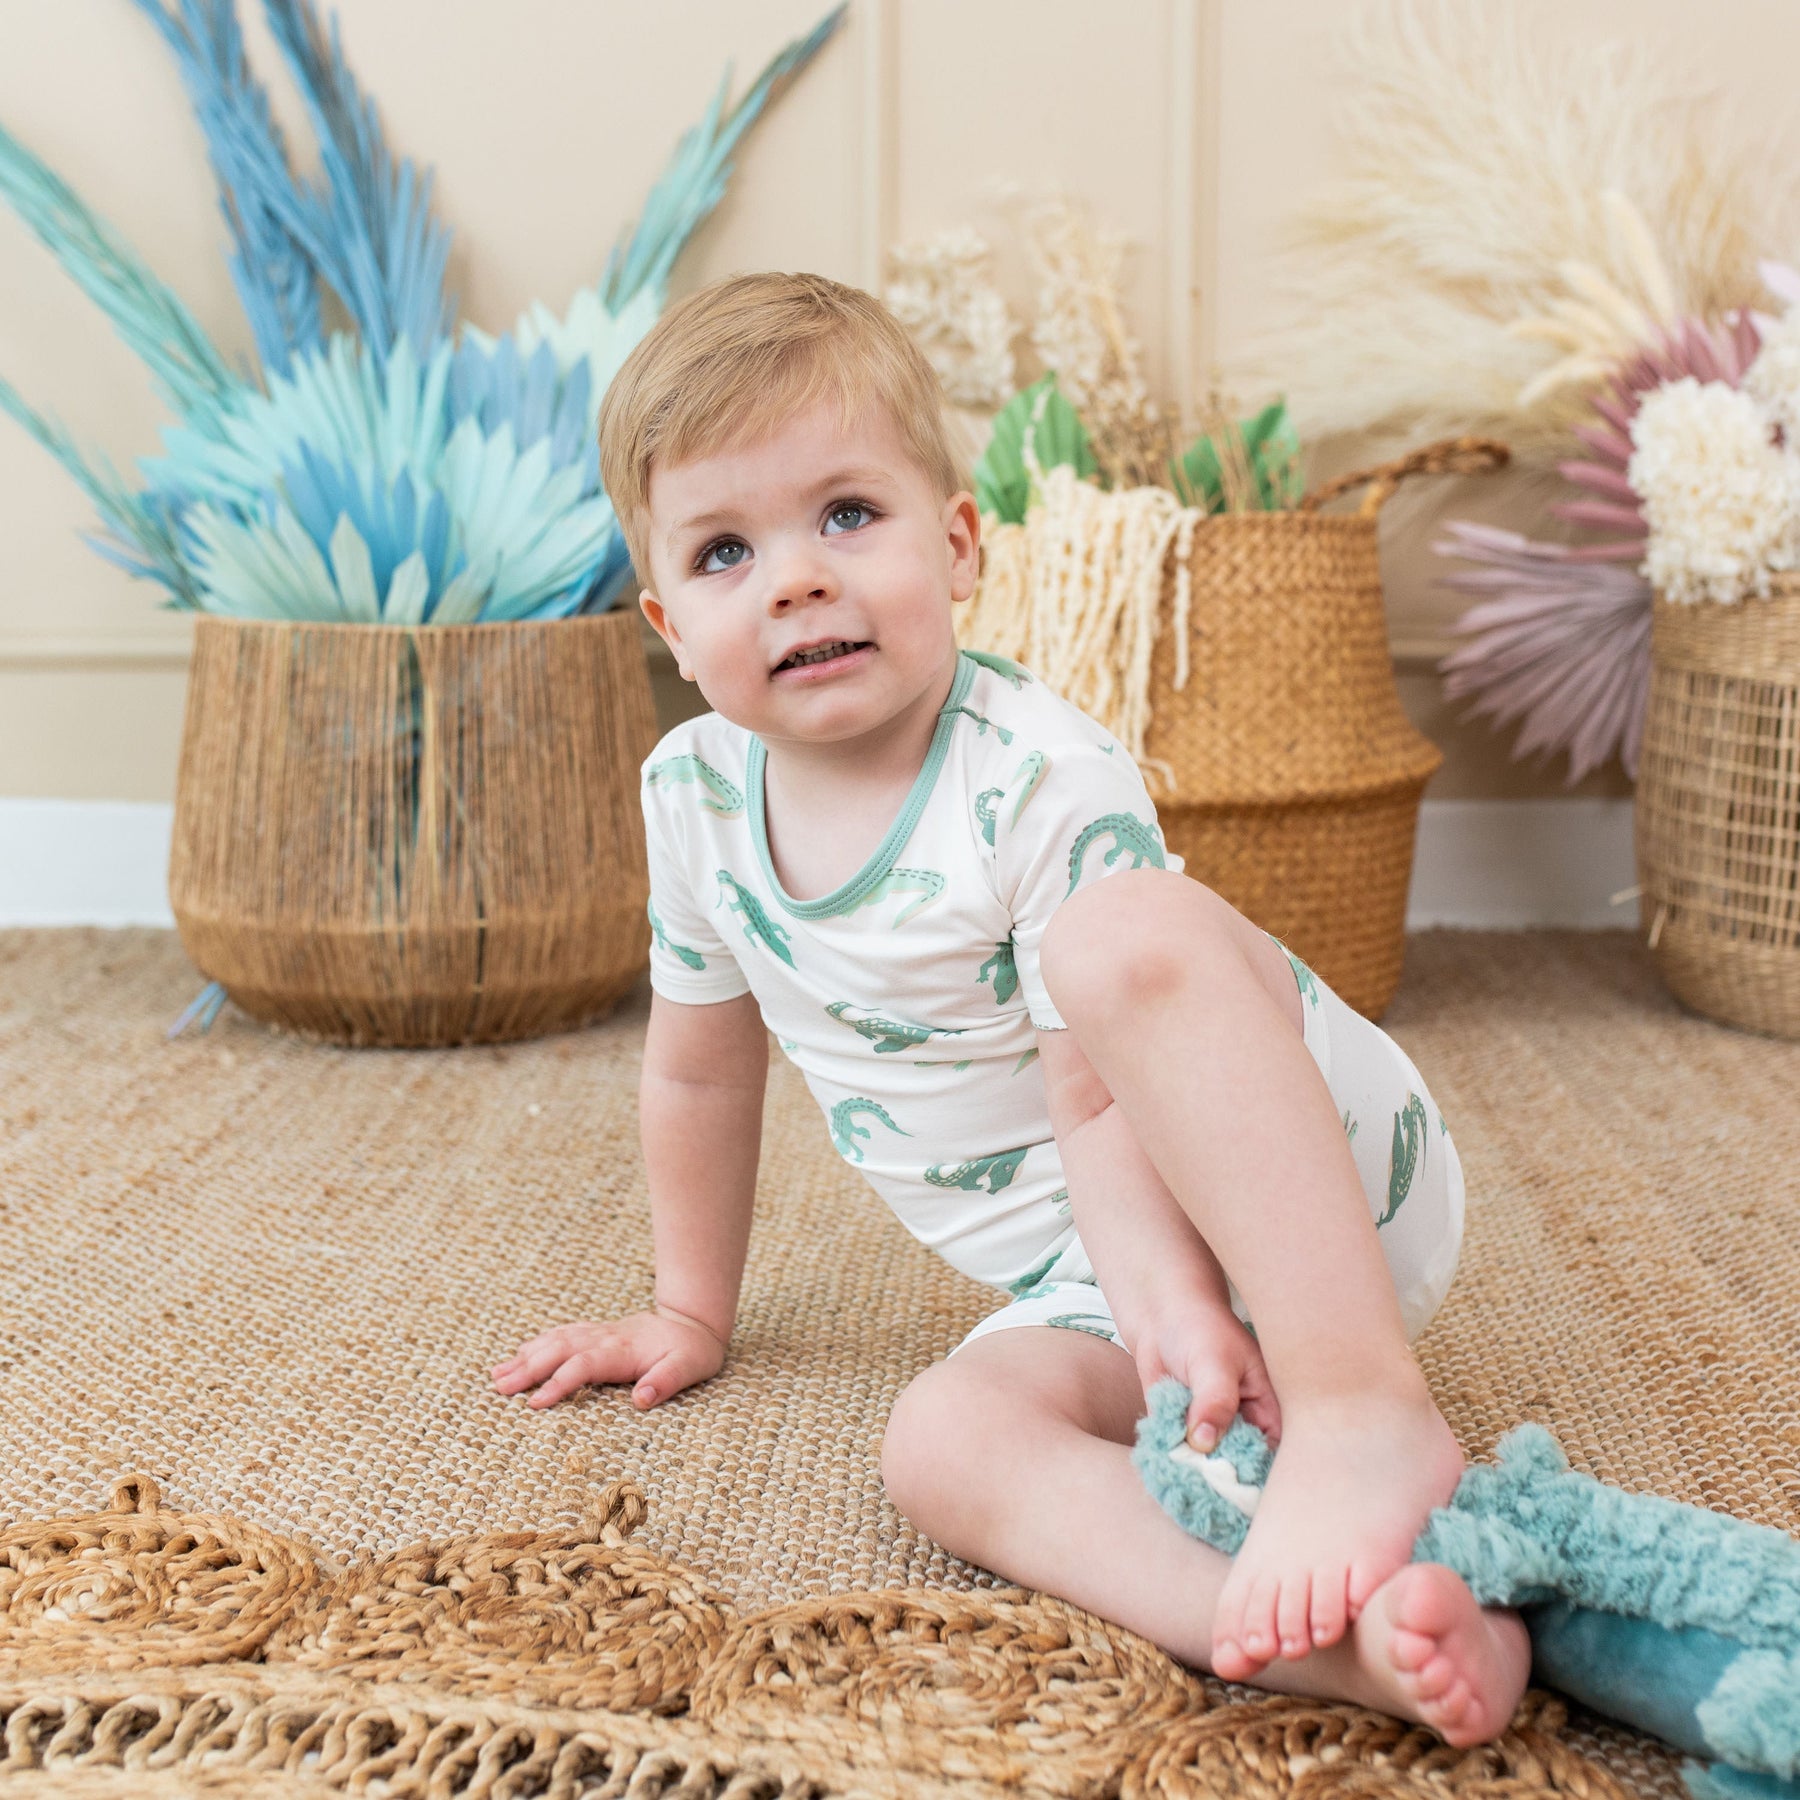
(1562, 642)
(1719, 351)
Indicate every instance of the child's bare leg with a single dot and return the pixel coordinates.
(1014, 1454)
(1190, 1016)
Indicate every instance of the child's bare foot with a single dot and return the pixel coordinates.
(1437, 1656)
(1348, 1492)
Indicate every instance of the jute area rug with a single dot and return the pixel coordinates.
(266, 1530)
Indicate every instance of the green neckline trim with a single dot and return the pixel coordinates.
(856, 889)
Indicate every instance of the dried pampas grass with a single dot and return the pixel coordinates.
(1476, 166)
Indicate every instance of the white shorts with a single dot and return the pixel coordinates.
(1403, 1151)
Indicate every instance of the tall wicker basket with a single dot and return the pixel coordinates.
(431, 835)
(1717, 811)
(1297, 773)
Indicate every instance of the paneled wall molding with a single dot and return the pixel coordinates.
(878, 149)
(1477, 864)
(1190, 238)
(27, 649)
(30, 649)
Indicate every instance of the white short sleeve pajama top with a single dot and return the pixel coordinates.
(908, 996)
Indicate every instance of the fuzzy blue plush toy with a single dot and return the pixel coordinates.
(1669, 1618)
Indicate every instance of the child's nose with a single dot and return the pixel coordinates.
(798, 577)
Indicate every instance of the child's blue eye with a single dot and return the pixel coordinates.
(721, 548)
(846, 515)
(853, 508)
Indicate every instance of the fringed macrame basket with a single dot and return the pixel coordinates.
(415, 835)
(1297, 774)
(1717, 810)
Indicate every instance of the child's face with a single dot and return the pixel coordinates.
(817, 534)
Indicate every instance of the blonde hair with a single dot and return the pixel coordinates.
(723, 367)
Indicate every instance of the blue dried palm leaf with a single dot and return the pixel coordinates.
(610, 581)
(187, 368)
(493, 386)
(343, 402)
(274, 276)
(391, 518)
(369, 229)
(587, 334)
(695, 180)
(502, 535)
(143, 540)
(270, 566)
(263, 567)
(535, 547)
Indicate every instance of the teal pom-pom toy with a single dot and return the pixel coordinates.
(1666, 1617)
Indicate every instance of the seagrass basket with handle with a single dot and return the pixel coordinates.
(408, 835)
(1297, 775)
(1717, 807)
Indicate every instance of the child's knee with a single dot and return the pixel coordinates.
(925, 1448)
(1128, 938)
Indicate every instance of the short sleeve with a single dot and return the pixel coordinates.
(1082, 814)
(688, 959)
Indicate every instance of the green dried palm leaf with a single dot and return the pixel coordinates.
(182, 359)
(131, 521)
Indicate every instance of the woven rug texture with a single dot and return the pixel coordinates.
(253, 1287)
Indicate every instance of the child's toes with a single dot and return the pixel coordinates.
(1230, 1663)
(1411, 1650)
(1229, 1660)
(1361, 1581)
(1452, 1704)
(1435, 1678)
(1257, 1633)
(1293, 1616)
(1330, 1611)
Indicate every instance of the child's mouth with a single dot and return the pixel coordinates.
(827, 659)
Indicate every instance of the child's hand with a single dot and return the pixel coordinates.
(1201, 1343)
(661, 1351)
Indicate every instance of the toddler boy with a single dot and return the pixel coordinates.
(1073, 1071)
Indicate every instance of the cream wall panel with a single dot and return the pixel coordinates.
(1063, 93)
(94, 730)
(1191, 124)
(1276, 144)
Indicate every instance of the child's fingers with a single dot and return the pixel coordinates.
(611, 1362)
(1211, 1410)
(1258, 1403)
(669, 1374)
(535, 1358)
(592, 1353)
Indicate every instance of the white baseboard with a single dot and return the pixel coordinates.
(1508, 864)
(1493, 864)
(85, 862)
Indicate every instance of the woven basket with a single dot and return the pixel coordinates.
(1297, 774)
(1717, 811)
(397, 835)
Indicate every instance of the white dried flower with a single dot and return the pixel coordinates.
(942, 293)
(1081, 334)
(1721, 500)
(1774, 377)
(1080, 330)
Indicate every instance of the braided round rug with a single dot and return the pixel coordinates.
(265, 1529)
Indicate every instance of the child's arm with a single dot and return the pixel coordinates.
(700, 1103)
(1165, 1287)
(700, 1110)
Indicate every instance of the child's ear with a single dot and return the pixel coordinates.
(962, 527)
(664, 627)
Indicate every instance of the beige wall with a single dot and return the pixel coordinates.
(1191, 124)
